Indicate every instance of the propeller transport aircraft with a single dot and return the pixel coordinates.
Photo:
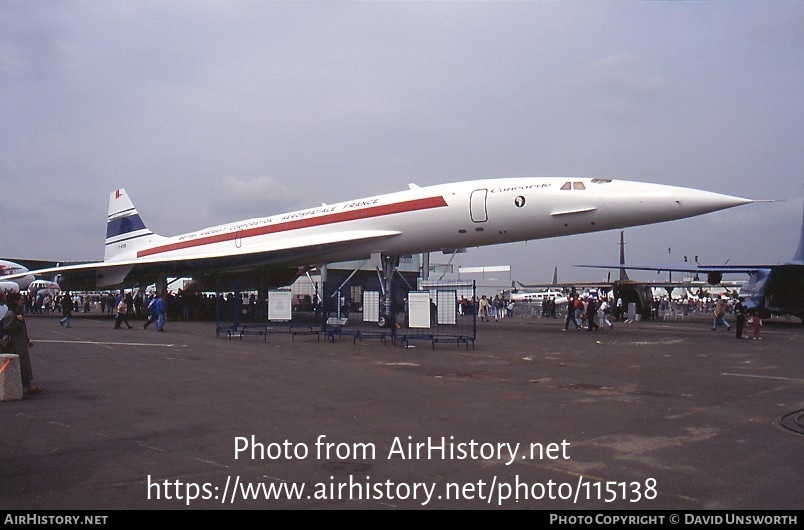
(444, 217)
(771, 289)
(22, 279)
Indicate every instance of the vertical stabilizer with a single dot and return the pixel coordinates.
(799, 256)
(124, 228)
(623, 275)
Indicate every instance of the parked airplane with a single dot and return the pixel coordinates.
(443, 217)
(17, 284)
(538, 292)
(641, 293)
(558, 295)
(43, 287)
(28, 282)
(624, 288)
(770, 289)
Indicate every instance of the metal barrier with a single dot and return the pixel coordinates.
(295, 311)
(432, 311)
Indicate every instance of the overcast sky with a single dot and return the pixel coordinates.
(210, 112)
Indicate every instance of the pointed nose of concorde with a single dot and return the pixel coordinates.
(696, 202)
(659, 202)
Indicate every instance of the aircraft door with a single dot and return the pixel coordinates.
(477, 206)
(239, 239)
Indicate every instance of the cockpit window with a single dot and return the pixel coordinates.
(579, 185)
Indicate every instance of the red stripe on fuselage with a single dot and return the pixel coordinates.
(327, 219)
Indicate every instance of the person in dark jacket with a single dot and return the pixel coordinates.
(19, 344)
(739, 314)
(151, 312)
(66, 309)
(591, 314)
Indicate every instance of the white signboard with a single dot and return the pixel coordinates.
(447, 307)
(371, 306)
(279, 305)
(419, 309)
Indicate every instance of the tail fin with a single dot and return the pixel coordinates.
(623, 275)
(124, 227)
(799, 256)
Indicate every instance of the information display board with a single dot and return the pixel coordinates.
(279, 305)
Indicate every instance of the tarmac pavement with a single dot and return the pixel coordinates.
(655, 415)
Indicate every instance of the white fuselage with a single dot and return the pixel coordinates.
(442, 217)
(43, 287)
(18, 283)
(539, 296)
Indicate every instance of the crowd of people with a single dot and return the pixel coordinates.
(582, 311)
(496, 308)
(592, 312)
(179, 305)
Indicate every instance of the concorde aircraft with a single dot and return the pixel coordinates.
(443, 217)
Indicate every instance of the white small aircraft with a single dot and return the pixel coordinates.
(558, 295)
(43, 287)
(443, 217)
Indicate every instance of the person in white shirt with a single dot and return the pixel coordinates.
(605, 310)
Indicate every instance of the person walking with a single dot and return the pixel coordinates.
(720, 314)
(129, 298)
(151, 313)
(605, 310)
(571, 314)
(739, 315)
(122, 315)
(756, 322)
(578, 306)
(111, 303)
(66, 309)
(19, 344)
(483, 308)
(496, 307)
(161, 312)
(591, 314)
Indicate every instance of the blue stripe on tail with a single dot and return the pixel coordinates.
(124, 225)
